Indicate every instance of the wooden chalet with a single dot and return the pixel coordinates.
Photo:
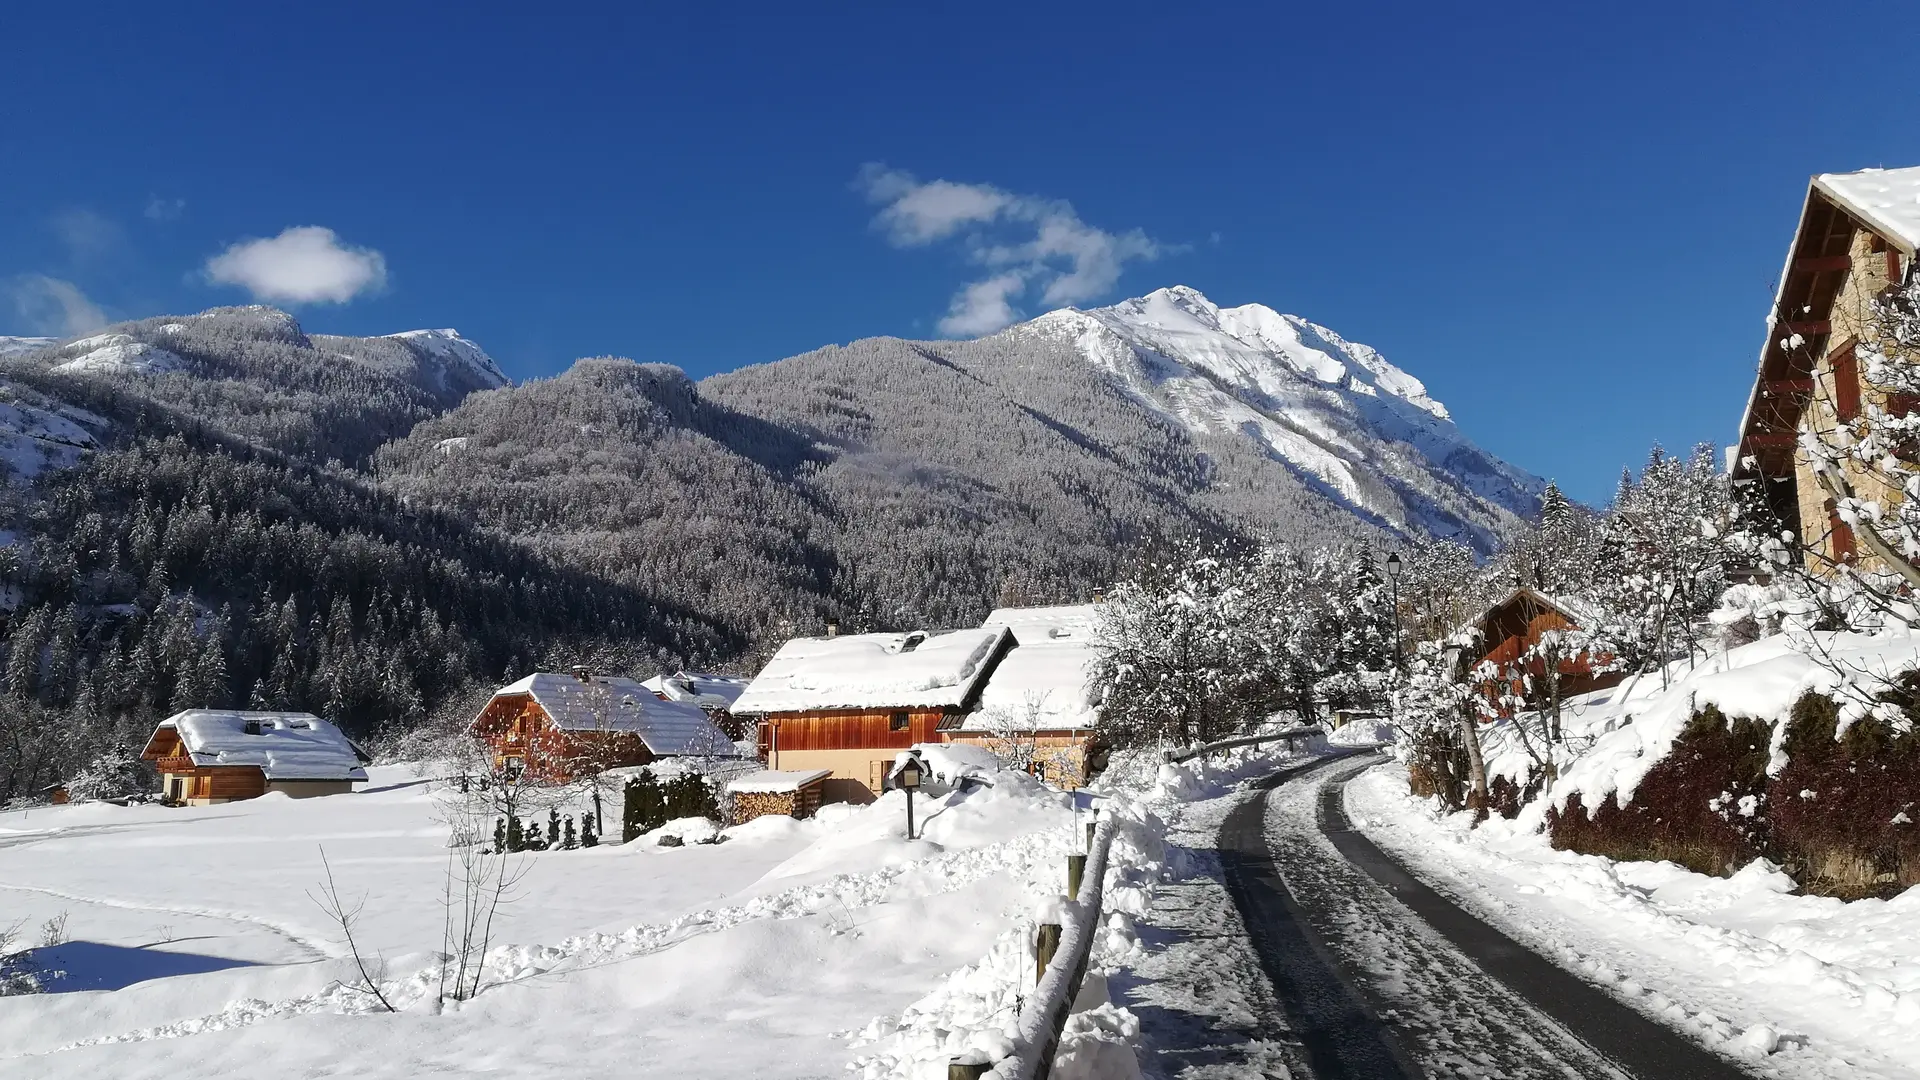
(207, 756)
(1040, 694)
(1857, 237)
(849, 704)
(1505, 632)
(558, 727)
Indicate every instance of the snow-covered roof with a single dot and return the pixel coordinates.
(1032, 625)
(876, 671)
(706, 691)
(1886, 199)
(1577, 611)
(771, 781)
(1044, 678)
(289, 746)
(606, 703)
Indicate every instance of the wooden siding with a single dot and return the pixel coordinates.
(216, 782)
(849, 729)
(1513, 627)
(515, 726)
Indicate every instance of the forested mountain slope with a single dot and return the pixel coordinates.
(253, 372)
(223, 509)
(150, 561)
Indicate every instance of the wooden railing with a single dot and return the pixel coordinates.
(177, 764)
(1175, 757)
(1070, 943)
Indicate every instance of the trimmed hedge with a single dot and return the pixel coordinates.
(1839, 818)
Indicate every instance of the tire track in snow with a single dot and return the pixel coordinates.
(318, 948)
(1442, 1014)
(1409, 1004)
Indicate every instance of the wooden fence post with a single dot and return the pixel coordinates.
(1045, 943)
(1091, 825)
(1076, 869)
(966, 1070)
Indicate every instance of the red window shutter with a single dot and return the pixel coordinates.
(1841, 534)
(1902, 405)
(1893, 266)
(1846, 383)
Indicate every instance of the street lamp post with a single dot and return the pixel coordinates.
(908, 779)
(1393, 583)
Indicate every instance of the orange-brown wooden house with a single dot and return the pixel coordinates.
(850, 703)
(1507, 631)
(207, 756)
(557, 727)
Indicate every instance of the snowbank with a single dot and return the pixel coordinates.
(1360, 734)
(788, 932)
(1831, 989)
(949, 763)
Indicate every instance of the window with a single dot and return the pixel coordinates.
(898, 721)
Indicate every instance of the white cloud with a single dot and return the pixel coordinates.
(306, 264)
(1028, 241)
(49, 305)
(159, 209)
(983, 307)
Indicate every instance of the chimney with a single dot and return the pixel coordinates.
(833, 626)
(581, 672)
(252, 726)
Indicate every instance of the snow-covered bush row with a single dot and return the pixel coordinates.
(1783, 748)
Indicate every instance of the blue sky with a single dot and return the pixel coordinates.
(1566, 224)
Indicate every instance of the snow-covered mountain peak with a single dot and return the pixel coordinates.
(457, 353)
(1337, 411)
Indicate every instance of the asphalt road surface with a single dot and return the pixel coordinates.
(1379, 976)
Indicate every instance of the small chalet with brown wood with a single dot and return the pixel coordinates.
(1038, 703)
(209, 756)
(1508, 630)
(558, 727)
(849, 704)
(1857, 238)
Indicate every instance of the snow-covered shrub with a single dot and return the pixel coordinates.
(1843, 807)
(1699, 806)
(117, 773)
(1835, 808)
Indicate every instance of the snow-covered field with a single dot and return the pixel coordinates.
(1800, 986)
(195, 945)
